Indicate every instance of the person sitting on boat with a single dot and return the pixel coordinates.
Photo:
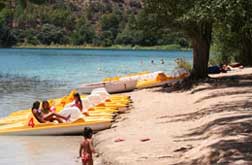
(74, 109)
(46, 108)
(77, 101)
(38, 114)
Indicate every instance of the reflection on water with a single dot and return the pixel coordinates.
(18, 92)
(39, 150)
(15, 83)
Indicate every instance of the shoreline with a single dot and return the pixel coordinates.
(172, 47)
(209, 124)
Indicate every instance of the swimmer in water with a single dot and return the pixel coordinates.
(162, 61)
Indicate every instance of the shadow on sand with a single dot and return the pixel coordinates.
(228, 138)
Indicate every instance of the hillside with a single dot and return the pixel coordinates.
(77, 22)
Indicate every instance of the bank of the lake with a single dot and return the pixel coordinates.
(171, 47)
(209, 124)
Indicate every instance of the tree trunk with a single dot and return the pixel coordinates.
(201, 49)
(246, 50)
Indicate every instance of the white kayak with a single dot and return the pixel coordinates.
(111, 87)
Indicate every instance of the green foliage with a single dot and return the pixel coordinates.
(83, 33)
(218, 58)
(2, 5)
(7, 37)
(109, 24)
(224, 51)
(58, 17)
(50, 34)
(193, 18)
(233, 33)
(97, 23)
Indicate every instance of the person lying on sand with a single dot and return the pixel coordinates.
(38, 114)
(236, 65)
(214, 69)
(86, 147)
(223, 68)
(232, 67)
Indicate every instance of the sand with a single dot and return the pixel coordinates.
(208, 124)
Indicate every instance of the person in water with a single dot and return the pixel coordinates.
(86, 147)
(45, 118)
(162, 61)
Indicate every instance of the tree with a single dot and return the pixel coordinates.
(234, 29)
(51, 34)
(7, 37)
(130, 35)
(109, 26)
(22, 5)
(83, 33)
(2, 5)
(194, 19)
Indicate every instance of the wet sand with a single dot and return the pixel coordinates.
(209, 124)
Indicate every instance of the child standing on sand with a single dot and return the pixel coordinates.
(86, 147)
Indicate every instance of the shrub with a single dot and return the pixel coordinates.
(182, 63)
(51, 34)
(83, 33)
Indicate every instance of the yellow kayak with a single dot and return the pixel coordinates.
(98, 117)
(48, 129)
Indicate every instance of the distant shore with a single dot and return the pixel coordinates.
(209, 124)
(171, 47)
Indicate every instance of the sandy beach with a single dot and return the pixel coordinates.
(208, 124)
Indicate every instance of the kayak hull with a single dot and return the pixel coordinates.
(57, 129)
(156, 84)
(111, 87)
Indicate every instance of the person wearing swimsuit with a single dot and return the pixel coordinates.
(74, 109)
(37, 112)
(77, 101)
(44, 118)
(86, 147)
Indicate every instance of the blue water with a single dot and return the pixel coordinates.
(27, 75)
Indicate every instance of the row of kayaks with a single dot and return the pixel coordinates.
(136, 81)
(99, 110)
